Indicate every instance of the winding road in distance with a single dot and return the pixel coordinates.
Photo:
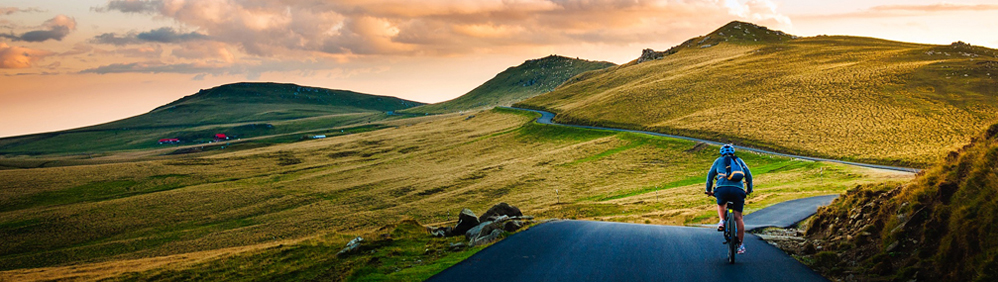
(546, 118)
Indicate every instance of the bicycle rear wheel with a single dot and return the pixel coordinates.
(731, 232)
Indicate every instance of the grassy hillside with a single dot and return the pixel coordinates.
(239, 110)
(515, 84)
(281, 212)
(939, 227)
(852, 98)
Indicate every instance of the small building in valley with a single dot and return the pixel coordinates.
(169, 141)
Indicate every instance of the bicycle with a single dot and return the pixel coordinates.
(730, 230)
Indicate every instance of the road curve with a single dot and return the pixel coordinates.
(546, 118)
(787, 213)
(604, 251)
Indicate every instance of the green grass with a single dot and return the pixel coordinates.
(404, 253)
(351, 184)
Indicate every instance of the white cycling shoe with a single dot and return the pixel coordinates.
(741, 249)
(720, 225)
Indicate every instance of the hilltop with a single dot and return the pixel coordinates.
(529, 79)
(851, 98)
(238, 110)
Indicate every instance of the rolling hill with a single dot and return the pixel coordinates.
(532, 78)
(239, 110)
(851, 98)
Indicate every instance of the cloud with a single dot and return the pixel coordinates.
(213, 52)
(55, 29)
(168, 35)
(160, 35)
(149, 52)
(129, 6)
(906, 11)
(12, 57)
(940, 7)
(11, 10)
(153, 67)
(290, 28)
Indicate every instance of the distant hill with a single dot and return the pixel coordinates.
(515, 84)
(238, 110)
(853, 98)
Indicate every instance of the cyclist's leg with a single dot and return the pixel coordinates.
(738, 198)
(741, 226)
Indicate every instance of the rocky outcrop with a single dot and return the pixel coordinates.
(490, 226)
(465, 220)
(500, 210)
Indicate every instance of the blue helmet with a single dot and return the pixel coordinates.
(727, 149)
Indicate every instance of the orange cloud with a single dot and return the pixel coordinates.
(940, 7)
(443, 27)
(12, 57)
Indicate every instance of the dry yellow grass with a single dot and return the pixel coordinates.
(850, 98)
(116, 214)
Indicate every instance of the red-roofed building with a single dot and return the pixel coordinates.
(221, 137)
(169, 141)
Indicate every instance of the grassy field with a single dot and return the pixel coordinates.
(239, 110)
(852, 98)
(281, 212)
(515, 84)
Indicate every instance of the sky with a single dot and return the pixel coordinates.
(68, 64)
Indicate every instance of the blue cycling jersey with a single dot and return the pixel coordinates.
(718, 168)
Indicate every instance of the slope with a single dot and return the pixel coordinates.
(239, 110)
(851, 98)
(317, 194)
(939, 227)
(515, 84)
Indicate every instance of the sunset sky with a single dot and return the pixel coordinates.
(67, 64)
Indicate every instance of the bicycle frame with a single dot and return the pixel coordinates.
(730, 232)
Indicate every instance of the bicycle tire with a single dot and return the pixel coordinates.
(731, 232)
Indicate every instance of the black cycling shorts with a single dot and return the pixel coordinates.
(732, 194)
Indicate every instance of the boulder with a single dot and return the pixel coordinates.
(478, 230)
(499, 210)
(465, 221)
(352, 246)
(512, 225)
(441, 231)
(491, 236)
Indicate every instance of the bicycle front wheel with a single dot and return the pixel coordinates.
(731, 229)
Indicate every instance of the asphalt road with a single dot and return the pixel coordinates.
(604, 251)
(787, 213)
(546, 118)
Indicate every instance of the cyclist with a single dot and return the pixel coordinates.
(730, 187)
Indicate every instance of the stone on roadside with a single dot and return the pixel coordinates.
(440, 231)
(491, 236)
(465, 221)
(512, 225)
(477, 230)
(498, 210)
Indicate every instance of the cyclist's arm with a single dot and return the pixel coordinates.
(748, 179)
(711, 174)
